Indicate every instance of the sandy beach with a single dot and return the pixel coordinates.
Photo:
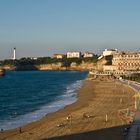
(102, 111)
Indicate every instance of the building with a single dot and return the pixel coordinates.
(33, 58)
(100, 57)
(108, 52)
(126, 61)
(88, 55)
(58, 56)
(109, 68)
(73, 54)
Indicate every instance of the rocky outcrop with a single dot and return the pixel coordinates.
(74, 66)
(102, 62)
(53, 66)
(84, 66)
(26, 67)
(2, 72)
(9, 67)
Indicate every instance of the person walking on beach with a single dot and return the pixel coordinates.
(20, 131)
(69, 118)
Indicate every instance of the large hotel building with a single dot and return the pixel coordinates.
(126, 61)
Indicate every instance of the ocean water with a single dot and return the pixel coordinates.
(27, 96)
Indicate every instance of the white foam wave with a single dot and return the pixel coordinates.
(67, 98)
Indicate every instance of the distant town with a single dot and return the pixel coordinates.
(110, 61)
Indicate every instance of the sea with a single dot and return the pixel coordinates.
(27, 96)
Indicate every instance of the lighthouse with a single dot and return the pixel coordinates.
(14, 54)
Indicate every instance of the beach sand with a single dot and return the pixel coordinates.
(95, 115)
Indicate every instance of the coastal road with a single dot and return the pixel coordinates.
(132, 84)
(134, 131)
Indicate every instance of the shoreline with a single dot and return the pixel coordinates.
(66, 99)
(86, 103)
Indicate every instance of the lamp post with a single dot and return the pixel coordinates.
(135, 102)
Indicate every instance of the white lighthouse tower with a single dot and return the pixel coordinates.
(14, 54)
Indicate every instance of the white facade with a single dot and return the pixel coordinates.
(58, 56)
(73, 54)
(109, 68)
(33, 58)
(88, 54)
(108, 52)
(129, 61)
(100, 57)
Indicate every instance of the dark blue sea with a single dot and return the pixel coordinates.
(27, 96)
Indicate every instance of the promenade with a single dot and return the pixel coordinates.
(134, 131)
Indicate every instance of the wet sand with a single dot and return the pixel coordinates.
(97, 114)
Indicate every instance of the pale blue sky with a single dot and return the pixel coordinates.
(44, 27)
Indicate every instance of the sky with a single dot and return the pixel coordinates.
(44, 27)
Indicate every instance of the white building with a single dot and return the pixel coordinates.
(73, 54)
(100, 57)
(88, 54)
(108, 52)
(109, 68)
(33, 58)
(127, 61)
(59, 56)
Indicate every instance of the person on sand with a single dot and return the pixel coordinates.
(69, 118)
(61, 125)
(85, 115)
(20, 131)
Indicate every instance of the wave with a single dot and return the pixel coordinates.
(68, 97)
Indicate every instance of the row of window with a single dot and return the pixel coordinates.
(126, 59)
(130, 63)
(128, 68)
(134, 55)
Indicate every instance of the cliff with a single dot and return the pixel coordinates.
(107, 60)
(9, 67)
(53, 66)
(84, 66)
